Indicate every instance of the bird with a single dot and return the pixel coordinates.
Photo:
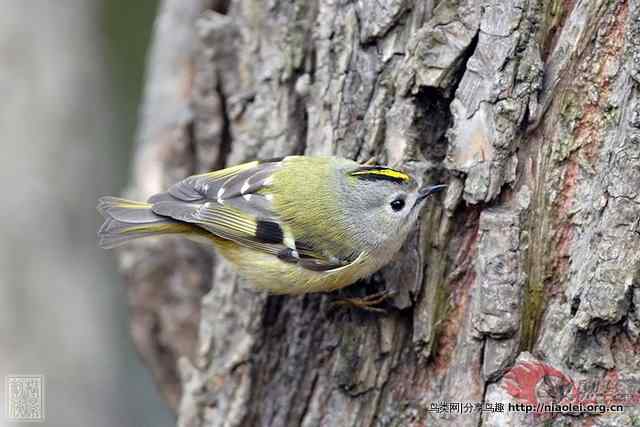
(291, 225)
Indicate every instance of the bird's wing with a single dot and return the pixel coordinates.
(236, 204)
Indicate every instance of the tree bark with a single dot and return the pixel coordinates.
(527, 109)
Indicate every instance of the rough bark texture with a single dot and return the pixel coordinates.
(528, 109)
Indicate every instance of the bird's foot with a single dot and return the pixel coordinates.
(367, 303)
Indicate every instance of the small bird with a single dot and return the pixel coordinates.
(293, 225)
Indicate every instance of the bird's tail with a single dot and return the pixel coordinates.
(127, 220)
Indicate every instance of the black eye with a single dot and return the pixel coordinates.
(397, 204)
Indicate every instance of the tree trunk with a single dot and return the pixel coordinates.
(528, 110)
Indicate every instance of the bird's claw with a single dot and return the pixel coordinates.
(366, 303)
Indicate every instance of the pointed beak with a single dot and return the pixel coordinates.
(425, 191)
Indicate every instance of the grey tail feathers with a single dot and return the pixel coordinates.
(127, 220)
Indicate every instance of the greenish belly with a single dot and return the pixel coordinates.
(266, 272)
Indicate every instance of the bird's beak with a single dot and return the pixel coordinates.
(425, 191)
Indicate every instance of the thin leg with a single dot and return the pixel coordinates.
(368, 302)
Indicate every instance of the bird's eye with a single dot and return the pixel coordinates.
(397, 205)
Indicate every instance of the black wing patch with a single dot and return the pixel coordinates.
(269, 232)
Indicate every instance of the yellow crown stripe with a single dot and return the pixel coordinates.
(391, 173)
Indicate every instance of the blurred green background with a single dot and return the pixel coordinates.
(70, 82)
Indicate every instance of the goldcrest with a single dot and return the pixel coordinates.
(290, 226)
